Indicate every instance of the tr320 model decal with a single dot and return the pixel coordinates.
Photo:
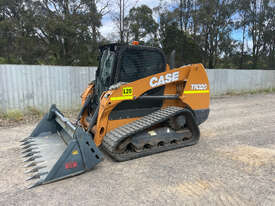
(198, 86)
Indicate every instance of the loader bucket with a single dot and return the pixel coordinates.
(56, 149)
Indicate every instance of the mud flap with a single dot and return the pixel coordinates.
(56, 149)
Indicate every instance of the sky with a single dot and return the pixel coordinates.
(109, 29)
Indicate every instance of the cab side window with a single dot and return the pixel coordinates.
(137, 64)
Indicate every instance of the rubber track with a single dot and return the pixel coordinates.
(118, 135)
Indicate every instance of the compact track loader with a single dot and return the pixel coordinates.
(138, 105)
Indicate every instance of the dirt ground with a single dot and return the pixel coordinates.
(233, 164)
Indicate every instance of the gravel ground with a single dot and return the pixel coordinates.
(233, 164)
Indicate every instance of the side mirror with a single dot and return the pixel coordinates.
(172, 59)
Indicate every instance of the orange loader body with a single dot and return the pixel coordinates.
(192, 87)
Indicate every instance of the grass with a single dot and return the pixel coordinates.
(17, 115)
(265, 91)
(33, 111)
(13, 115)
(29, 115)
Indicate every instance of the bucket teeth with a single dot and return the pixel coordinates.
(35, 184)
(36, 176)
(26, 139)
(56, 152)
(26, 150)
(27, 146)
(31, 153)
(29, 150)
(32, 164)
(32, 158)
(28, 155)
(27, 142)
(35, 169)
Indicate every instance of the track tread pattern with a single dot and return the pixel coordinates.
(116, 136)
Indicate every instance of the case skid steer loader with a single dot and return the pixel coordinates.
(138, 105)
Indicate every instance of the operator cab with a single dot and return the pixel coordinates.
(123, 63)
(127, 63)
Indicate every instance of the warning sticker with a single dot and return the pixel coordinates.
(75, 152)
(127, 94)
(127, 91)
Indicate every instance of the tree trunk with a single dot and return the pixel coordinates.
(181, 15)
(242, 52)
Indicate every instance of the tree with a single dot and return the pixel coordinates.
(184, 13)
(243, 11)
(141, 23)
(69, 29)
(215, 25)
(260, 20)
(172, 38)
(66, 32)
(120, 11)
(269, 37)
(9, 18)
(50, 31)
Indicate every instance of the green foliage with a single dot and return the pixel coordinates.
(33, 111)
(141, 23)
(63, 32)
(258, 91)
(187, 51)
(49, 32)
(14, 115)
(2, 115)
(3, 60)
(210, 25)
